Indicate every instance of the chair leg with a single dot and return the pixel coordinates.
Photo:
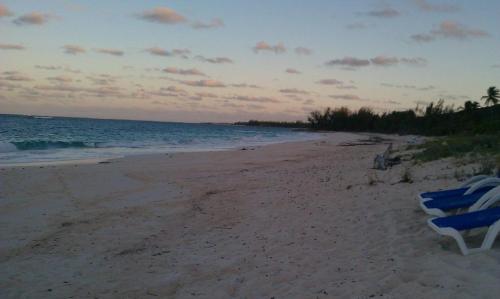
(491, 235)
(448, 231)
(460, 242)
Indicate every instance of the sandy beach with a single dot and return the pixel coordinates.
(295, 220)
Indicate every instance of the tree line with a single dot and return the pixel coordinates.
(434, 119)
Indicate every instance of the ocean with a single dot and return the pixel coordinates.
(39, 140)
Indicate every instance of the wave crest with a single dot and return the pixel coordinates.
(45, 144)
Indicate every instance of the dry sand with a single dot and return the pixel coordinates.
(297, 220)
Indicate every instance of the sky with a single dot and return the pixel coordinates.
(231, 60)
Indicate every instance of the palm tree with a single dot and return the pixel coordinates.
(492, 97)
(470, 106)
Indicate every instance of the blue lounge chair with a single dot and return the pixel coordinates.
(480, 215)
(443, 204)
(452, 192)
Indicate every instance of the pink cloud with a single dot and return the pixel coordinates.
(186, 72)
(203, 83)
(263, 46)
(292, 71)
(215, 23)
(34, 18)
(163, 15)
(11, 47)
(215, 60)
(424, 5)
(113, 52)
(73, 49)
(330, 82)
(384, 13)
(4, 11)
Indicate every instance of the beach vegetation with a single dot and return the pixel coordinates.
(435, 119)
(459, 146)
(407, 176)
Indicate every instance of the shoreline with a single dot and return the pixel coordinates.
(320, 135)
(299, 220)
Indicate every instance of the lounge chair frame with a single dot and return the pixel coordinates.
(465, 184)
(488, 182)
(486, 201)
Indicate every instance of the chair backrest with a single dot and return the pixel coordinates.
(493, 182)
(473, 180)
(487, 200)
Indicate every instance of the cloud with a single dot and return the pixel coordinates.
(57, 68)
(496, 66)
(303, 51)
(183, 53)
(203, 83)
(346, 87)
(113, 52)
(453, 97)
(294, 91)
(294, 97)
(73, 49)
(381, 60)
(347, 97)
(102, 79)
(330, 82)
(4, 11)
(48, 67)
(450, 30)
(415, 61)
(195, 98)
(293, 71)
(407, 86)
(384, 13)
(356, 26)
(185, 72)
(424, 5)
(171, 91)
(105, 91)
(263, 46)
(384, 60)
(308, 102)
(15, 76)
(256, 107)
(390, 61)
(206, 95)
(348, 62)
(158, 51)
(174, 89)
(163, 15)
(244, 98)
(11, 47)
(34, 18)
(215, 60)
(61, 79)
(244, 85)
(215, 23)
(422, 38)
(8, 85)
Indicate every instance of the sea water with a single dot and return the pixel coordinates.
(33, 139)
